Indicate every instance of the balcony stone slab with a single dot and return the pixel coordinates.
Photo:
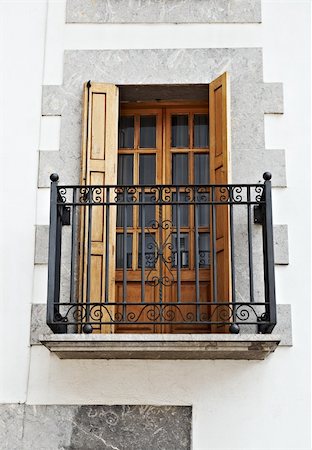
(161, 346)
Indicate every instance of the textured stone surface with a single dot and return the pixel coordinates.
(250, 99)
(272, 97)
(96, 427)
(283, 327)
(53, 101)
(38, 325)
(262, 161)
(41, 245)
(281, 244)
(11, 426)
(174, 346)
(163, 11)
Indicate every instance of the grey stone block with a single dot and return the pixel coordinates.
(48, 427)
(41, 244)
(53, 100)
(249, 165)
(96, 427)
(11, 426)
(283, 327)
(272, 97)
(163, 11)
(65, 164)
(281, 244)
(38, 323)
(159, 66)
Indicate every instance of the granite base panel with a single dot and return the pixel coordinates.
(96, 427)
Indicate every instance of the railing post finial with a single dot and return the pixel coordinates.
(267, 176)
(54, 177)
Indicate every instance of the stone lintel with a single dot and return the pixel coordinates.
(110, 346)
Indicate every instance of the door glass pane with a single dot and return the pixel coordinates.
(125, 169)
(201, 176)
(147, 169)
(148, 132)
(149, 211)
(183, 209)
(201, 168)
(150, 251)
(184, 250)
(179, 131)
(180, 168)
(126, 132)
(204, 249)
(201, 131)
(124, 177)
(119, 251)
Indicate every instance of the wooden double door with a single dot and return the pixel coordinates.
(166, 146)
(161, 144)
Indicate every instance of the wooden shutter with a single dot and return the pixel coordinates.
(99, 167)
(219, 174)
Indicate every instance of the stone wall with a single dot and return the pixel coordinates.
(163, 11)
(95, 427)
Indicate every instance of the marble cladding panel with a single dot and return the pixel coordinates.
(38, 324)
(281, 255)
(11, 426)
(163, 11)
(98, 427)
(41, 244)
(250, 99)
(273, 99)
(53, 100)
(248, 166)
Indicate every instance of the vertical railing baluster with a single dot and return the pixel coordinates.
(73, 250)
(178, 246)
(160, 247)
(124, 280)
(196, 252)
(89, 245)
(214, 245)
(54, 261)
(231, 198)
(143, 246)
(268, 257)
(107, 227)
(250, 255)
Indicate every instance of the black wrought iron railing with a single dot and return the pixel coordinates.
(161, 258)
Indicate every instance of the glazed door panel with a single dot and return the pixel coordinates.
(165, 146)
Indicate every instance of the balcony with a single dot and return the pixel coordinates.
(161, 260)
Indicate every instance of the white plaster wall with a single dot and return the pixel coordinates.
(261, 405)
(22, 55)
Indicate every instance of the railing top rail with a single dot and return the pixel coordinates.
(129, 186)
